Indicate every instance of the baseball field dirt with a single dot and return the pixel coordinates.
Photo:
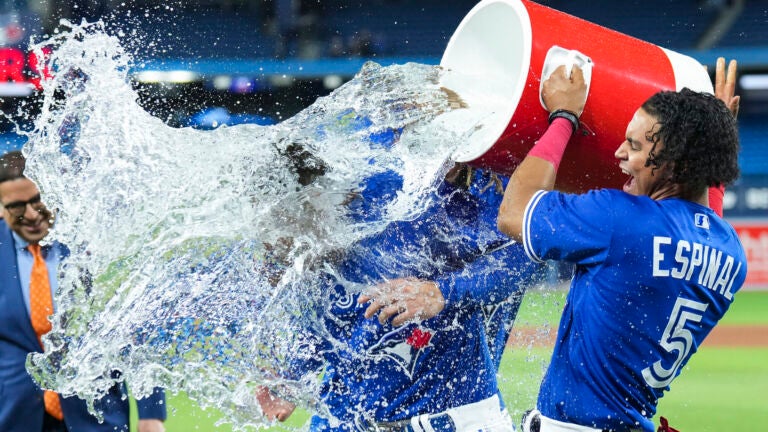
(722, 336)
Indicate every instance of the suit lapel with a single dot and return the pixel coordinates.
(17, 325)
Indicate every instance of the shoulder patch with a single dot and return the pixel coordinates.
(701, 220)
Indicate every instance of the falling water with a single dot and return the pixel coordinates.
(202, 246)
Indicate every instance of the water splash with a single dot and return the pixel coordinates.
(202, 246)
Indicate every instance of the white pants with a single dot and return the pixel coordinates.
(485, 416)
(549, 425)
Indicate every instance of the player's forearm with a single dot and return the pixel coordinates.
(487, 280)
(538, 171)
(532, 175)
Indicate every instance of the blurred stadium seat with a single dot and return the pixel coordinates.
(266, 60)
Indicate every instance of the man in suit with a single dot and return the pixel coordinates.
(26, 301)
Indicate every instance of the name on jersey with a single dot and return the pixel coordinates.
(710, 267)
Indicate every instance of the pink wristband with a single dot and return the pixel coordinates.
(551, 145)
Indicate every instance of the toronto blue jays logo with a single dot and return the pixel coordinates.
(404, 346)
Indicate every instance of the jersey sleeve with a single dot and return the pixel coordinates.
(492, 277)
(308, 361)
(497, 267)
(153, 406)
(569, 227)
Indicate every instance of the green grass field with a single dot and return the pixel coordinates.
(720, 389)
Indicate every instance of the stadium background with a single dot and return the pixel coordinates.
(203, 63)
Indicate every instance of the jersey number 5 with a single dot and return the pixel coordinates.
(675, 338)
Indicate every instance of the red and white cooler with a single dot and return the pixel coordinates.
(495, 59)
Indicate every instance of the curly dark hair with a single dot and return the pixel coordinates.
(699, 139)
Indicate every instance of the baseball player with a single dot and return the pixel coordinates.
(656, 267)
(414, 352)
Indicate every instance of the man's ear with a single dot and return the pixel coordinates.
(50, 215)
(668, 168)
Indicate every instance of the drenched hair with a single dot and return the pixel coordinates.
(303, 163)
(698, 136)
(461, 175)
(12, 166)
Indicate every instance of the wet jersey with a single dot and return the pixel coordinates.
(384, 373)
(652, 279)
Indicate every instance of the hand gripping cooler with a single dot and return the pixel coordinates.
(559, 56)
(498, 52)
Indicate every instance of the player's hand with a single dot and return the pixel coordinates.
(150, 425)
(274, 407)
(569, 93)
(725, 85)
(403, 300)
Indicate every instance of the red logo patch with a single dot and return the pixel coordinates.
(419, 339)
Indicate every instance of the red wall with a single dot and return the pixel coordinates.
(754, 237)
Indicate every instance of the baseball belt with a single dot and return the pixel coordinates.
(534, 421)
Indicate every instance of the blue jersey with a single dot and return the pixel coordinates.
(500, 317)
(652, 279)
(387, 373)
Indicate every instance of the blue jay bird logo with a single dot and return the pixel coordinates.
(402, 348)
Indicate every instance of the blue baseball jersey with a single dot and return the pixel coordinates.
(385, 373)
(500, 317)
(652, 279)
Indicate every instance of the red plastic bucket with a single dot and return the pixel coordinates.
(497, 53)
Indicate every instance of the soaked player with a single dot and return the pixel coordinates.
(415, 351)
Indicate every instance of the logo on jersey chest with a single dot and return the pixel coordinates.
(404, 347)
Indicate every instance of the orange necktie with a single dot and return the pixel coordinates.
(41, 305)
